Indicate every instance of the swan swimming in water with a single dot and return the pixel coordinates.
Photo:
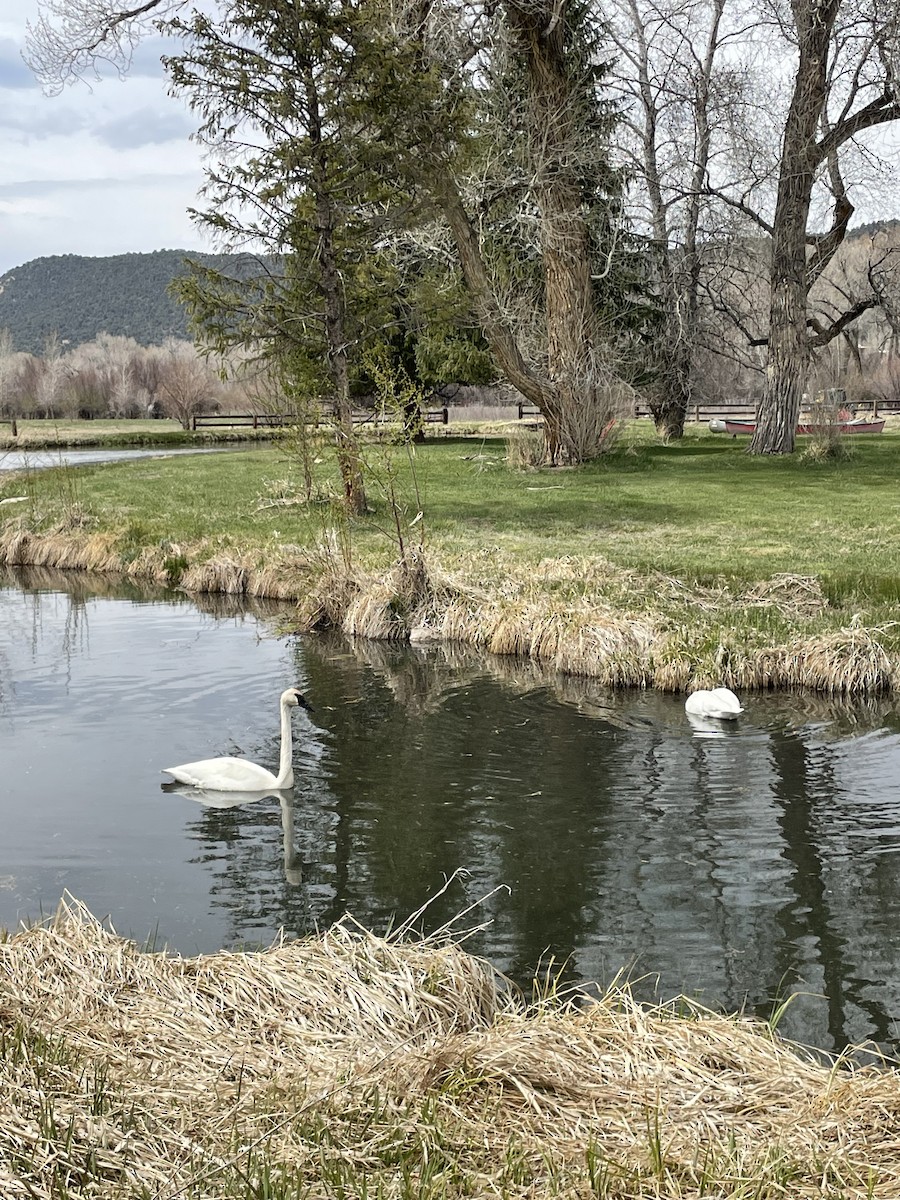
(237, 774)
(720, 703)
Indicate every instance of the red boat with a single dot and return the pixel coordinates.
(856, 426)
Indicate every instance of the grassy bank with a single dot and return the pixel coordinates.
(351, 1066)
(665, 565)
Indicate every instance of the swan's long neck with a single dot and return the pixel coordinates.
(285, 766)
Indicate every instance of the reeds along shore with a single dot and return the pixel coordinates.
(350, 1065)
(630, 631)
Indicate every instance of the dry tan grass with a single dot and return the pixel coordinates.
(578, 616)
(850, 661)
(799, 594)
(366, 1059)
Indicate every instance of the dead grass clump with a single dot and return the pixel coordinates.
(526, 449)
(20, 546)
(349, 1064)
(576, 641)
(325, 602)
(799, 595)
(849, 661)
(672, 674)
(409, 601)
(222, 573)
(825, 446)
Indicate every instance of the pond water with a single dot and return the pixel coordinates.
(35, 460)
(606, 834)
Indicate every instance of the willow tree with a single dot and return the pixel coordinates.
(535, 216)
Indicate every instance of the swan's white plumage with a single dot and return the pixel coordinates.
(720, 703)
(229, 774)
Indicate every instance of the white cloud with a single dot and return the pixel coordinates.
(13, 72)
(99, 217)
(147, 126)
(104, 168)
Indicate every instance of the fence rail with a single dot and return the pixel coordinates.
(359, 416)
(728, 412)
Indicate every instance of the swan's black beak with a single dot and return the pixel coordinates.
(303, 702)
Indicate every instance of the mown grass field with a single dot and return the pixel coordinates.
(720, 555)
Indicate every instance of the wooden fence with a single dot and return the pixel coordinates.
(360, 416)
(731, 412)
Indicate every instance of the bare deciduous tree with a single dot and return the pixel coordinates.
(678, 90)
(71, 40)
(186, 384)
(843, 84)
(50, 382)
(8, 371)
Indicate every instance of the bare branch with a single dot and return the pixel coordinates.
(823, 334)
(70, 40)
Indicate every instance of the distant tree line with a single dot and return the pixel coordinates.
(607, 200)
(113, 377)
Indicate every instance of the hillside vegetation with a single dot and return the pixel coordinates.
(78, 298)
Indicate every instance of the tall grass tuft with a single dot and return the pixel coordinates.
(850, 661)
(525, 449)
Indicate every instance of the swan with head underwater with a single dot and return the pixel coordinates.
(720, 703)
(229, 774)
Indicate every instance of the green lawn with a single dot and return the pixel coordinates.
(681, 532)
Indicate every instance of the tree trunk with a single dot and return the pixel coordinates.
(348, 455)
(671, 396)
(565, 241)
(498, 333)
(568, 387)
(779, 411)
(789, 345)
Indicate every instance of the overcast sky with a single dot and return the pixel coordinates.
(109, 168)
(97, 170)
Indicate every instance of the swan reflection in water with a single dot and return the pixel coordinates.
(293, 871)
(710, 727)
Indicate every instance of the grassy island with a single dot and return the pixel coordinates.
(665, 566)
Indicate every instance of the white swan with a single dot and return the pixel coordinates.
(720, 703)
(236, 774)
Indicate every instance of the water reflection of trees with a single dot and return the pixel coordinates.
(740, 869)
(24, 598)
(48, 611)
(624, 840)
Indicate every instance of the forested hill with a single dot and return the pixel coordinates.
(78, 297)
